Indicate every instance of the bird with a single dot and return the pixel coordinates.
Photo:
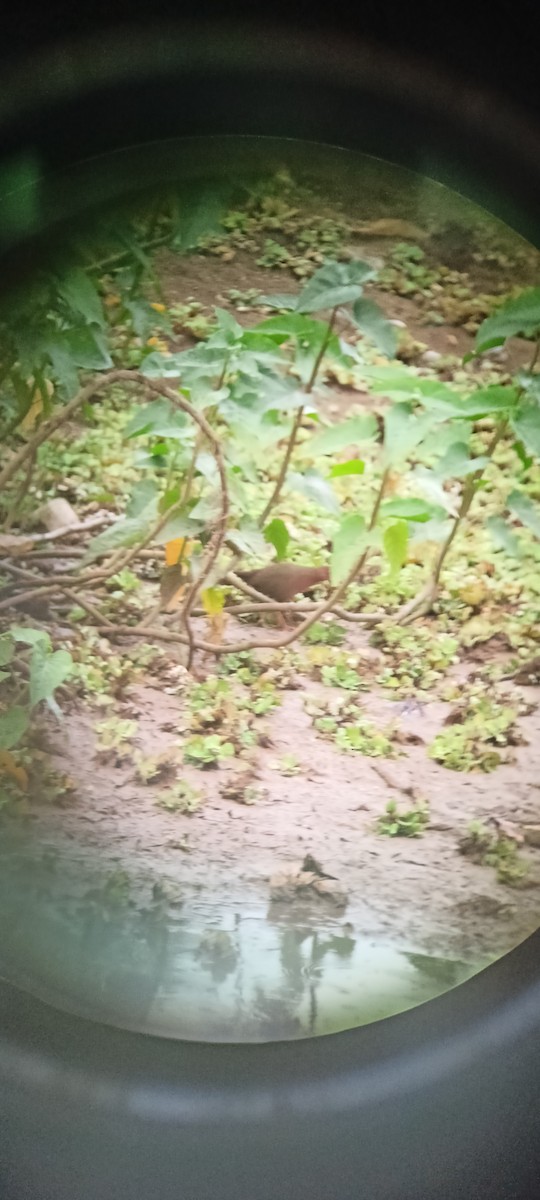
(282, 581)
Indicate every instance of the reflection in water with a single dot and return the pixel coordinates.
(138, 956)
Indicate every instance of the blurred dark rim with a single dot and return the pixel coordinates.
(96, 99)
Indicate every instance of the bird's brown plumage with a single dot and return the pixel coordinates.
(282, 581)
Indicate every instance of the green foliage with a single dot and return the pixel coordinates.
(49, 335)
(325, 633)
(519, 317)
(417, 657)
(337, 437)
(374, 326)
(342, 673)
(315, 488)
(395, 542)
(350, 539)
(482, 725)
(242, 665)
(277, 534)
(492, 848)
(409, 822)
(47, 670)
(207, 751)
(113, 732)
(344, 722)
(289, 765)
(527, 512)
(13, 725)
(406, 272)
(181, 797)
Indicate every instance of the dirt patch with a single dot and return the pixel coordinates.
(422, 889)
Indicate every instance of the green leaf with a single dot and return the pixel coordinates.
(7, 649)
(525, 459)
(80, 294)
(31, 637)
(13, 724)
(125, 532)
(312, 485)
(373, 324)
(354, 466)
(503, 537)
(228, 324)
(347, 545)
(277, 534)
(334, 284)
(431, 486)
(408, 508)
(400, 383)
(529, 382)
(87, 347)
(198, 213)
(488, 401)
(526, 424)
(528, 513)
(456, 463)
(395, 541)
(144, 493)
(279, 300)
(158, 419)
(294, 326)
(143, 317)
(349, 433)
(517, 317)
(403, 432)
(162, 366)
(247, 538)
(180, 525)
(47, 672)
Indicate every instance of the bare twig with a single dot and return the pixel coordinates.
(92, 611)
(96, 522)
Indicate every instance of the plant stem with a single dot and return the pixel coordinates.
(297, 422)
(284, 467)
(469, 492)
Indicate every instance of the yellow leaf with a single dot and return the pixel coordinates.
(213, 600)
(111, 300)
(175, 548)
(158, 343)
(36, 408)
(158, 307)
(9, 766)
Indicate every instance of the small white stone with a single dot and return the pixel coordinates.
(431, 356)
